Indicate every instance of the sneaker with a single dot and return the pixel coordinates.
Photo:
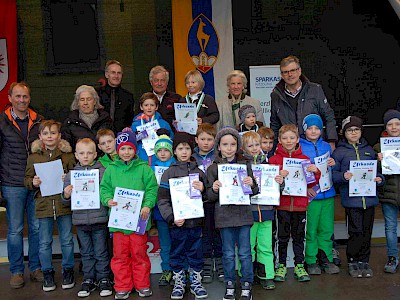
(122, 295)
(195, 285)
(165, 278)
(230, 291)
(208, 270)
(246, 291)
(37, 276)
(300, 273)
(391, 265)
(267, 284)
(179, 285)
(314, 269)
(329, 268)
(366, 270)
(68, 279)
(105, 287)
(335, 257)
(87, 287)
(17, 281)
(146, 292)
(219, 267)
(354, 270)
(280, 273)
(48, 281)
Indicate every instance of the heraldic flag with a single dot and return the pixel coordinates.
(8, 48)
(203, 40)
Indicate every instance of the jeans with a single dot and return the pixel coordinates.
(94, 252)
(240, 236)
(18, 200)
(64, 226)
(165, 244)
(390, 213)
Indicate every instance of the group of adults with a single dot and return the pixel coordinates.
(114, 107)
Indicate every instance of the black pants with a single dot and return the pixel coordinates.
(291, 224)
(359, 227)
(212, 244)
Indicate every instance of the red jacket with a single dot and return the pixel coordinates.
(292, 203)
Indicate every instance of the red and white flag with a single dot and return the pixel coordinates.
(8, 48)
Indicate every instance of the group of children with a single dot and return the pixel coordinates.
(191, 249)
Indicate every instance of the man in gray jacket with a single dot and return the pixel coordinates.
(295, 97)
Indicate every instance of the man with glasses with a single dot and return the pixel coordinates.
(295, 97)
(117, 101)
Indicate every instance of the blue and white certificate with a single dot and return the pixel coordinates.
(295, 182)
(390, 148)
(362, 182)
(159, 171)
(231, 191)
(269, 188)
(85, 191)
(325, 181)
(151, 139)
(186, 116)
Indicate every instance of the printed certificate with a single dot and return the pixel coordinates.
(183, 206)
(362, 182)
(325, 181)
(269, 188)
(50, 174)
(390, 148)
(295, 182)
(231, 192)
(126, 214)
(149, 142)
(159, 171)
(186, 115)
(85, 192)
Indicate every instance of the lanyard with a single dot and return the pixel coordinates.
(188, 100)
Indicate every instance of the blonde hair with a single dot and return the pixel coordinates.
(288, 60)
(48, 124)
(248, 137)
(104, 132)
(289, 127)
(87, 142)
(207, 128)
(196, 76)
(266, 132)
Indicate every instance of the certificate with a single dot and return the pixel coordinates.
(159, 171)
(183, 206)
(295, 182)
(85, 193)
(325, 181)
(186, 116)
(362, 182)
(269, 188)
(231, 192)
(151, 139)
(390, 148)
(125, 215)
(50, 174)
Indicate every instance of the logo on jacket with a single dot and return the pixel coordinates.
(3, 64)
(203, 43)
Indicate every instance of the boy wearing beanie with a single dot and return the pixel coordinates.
(186, 235)
(360, 210)
(389, 195)
(234, 221)
(247, 115)
(320, 212)
(130, 263)
(160, 161)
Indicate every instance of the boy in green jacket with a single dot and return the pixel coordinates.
(130, 263)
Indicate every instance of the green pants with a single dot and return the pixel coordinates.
(320, 225)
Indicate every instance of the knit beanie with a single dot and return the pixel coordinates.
(245, 110)
(125, 138)
(183, 137)
(351, 121)
(227, 131)
(312, 119)
(391, 114)
(163, 142)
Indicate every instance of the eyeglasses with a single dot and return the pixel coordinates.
(289, 72)
(353, 130)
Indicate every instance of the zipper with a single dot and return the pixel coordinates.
(358, 158)
(54, 210)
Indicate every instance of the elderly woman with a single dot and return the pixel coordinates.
(229, 106)
(86, 118)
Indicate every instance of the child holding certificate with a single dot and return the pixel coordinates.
(185, 233)
(234, 221)
(292, 211)
(263, 216)
(49, 209)
(130, 262)
(320, 211)
(91, 226)
(360, 210)
(163, 159)
(106, 142)
(389, 196)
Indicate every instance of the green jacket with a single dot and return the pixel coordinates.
(135, 175)
(49, 206)
(107, 159)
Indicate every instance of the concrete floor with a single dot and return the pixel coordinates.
(323, 287)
